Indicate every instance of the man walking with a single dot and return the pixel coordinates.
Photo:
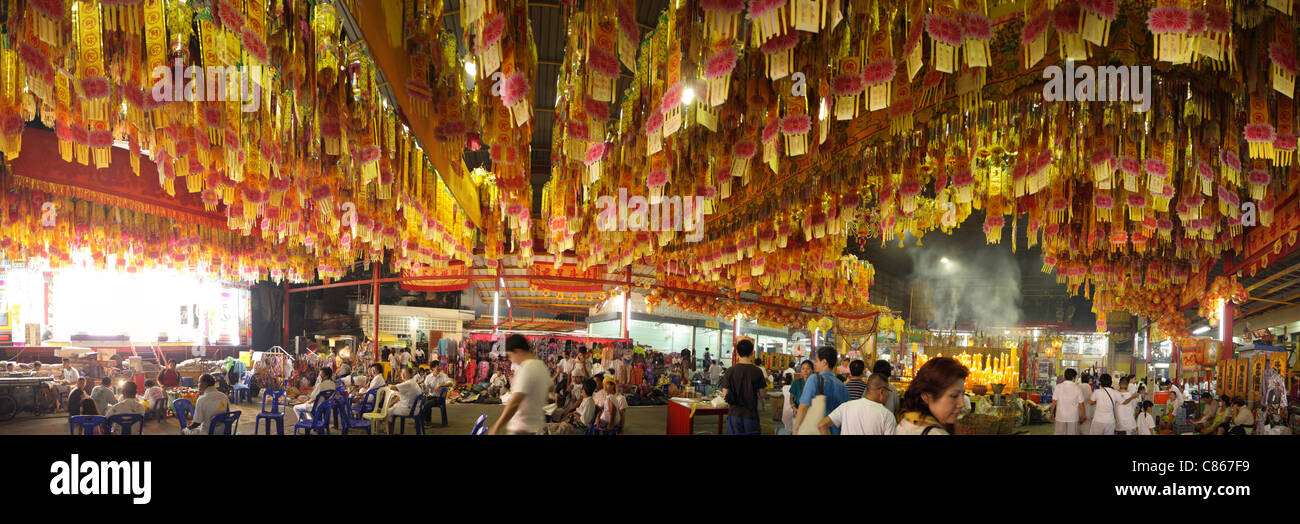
(864, 416)
(740, 388)
(823, 383)
(523, 415)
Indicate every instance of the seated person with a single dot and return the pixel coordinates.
(326, 383)
(75, 397)
(577, 421)
(1210, 411)
(156, 397)
(211, 402)
(129, 404)
(1243, 420)
(375, 372)
(612, 407)
(103, 395)
(407, 390)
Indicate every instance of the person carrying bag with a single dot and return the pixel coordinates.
(816, 410)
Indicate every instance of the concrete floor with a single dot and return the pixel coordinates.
(641, 420)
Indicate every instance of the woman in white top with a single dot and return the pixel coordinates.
(934, 398)
(787, 409)
(1105, 403)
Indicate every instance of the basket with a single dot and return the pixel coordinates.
(977, 424)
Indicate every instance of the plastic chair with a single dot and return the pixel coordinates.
(381, 407)
(241, 391)
(480, 425)
(320, 418)
(126, 421)
(416, 415)
(184, 412)
(341, 411)
(275, 414)
(593, 430)
(229, 422)
(187, 382)
(340, 392)
(88, 423)
(439, 401)
(366, 405)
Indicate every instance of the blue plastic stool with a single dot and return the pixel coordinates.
(416, 415)
(229, 422)
(275, 414)
(88, 423)
(184, 412)
(127, 421)
(480, 425)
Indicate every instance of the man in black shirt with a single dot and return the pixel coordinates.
(741, 386)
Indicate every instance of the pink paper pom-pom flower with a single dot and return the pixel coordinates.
(515, 88)
(796, 124)
(721, 63)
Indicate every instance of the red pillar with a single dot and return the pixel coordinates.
(284, 318)
(1229, 312)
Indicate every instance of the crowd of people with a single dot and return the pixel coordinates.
(1079, 407)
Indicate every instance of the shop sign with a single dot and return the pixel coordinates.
(713, 324)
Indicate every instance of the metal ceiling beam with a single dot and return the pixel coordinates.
(1273, 277)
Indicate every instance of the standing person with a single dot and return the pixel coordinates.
(169, 378)
(891, 394)
(856, 384)
(864, 416)
(1126, 415)
(1085, 392)
(806, 370)
(1068, 405)
(1145, 421)
(103, 396)
(211, 402)
(1175, 398)
(708, 360)
(787, 407)
(70, 377)
(523, 415)
(823, 383)
(1105, 401)
(715, 372)
(741, 386)
(934, 398)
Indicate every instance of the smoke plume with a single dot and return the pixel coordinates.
(980, 286)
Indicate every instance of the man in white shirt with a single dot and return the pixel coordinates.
(211, 402)
(1105, 401)
(577, 421)
(129, 405)
(1126, 417)
(374, 379)
(864, 416)
(1085, 392)
(523, 414)
(407, 390)
(1067, 403)
(326, 383)
(436, 379)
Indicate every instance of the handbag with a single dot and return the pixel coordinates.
(816, 410)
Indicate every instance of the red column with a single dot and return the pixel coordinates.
(1229, 312)
(284, 318)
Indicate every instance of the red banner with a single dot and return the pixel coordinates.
(458, 281)
(568, 271)
(41, 168)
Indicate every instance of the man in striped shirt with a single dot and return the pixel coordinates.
(856, 384)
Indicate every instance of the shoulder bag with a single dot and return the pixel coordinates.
(816, 410)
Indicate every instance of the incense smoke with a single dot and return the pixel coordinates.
(981, 286)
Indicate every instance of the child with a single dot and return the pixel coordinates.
(612, 407)
(1146, 422)
(156, 398)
